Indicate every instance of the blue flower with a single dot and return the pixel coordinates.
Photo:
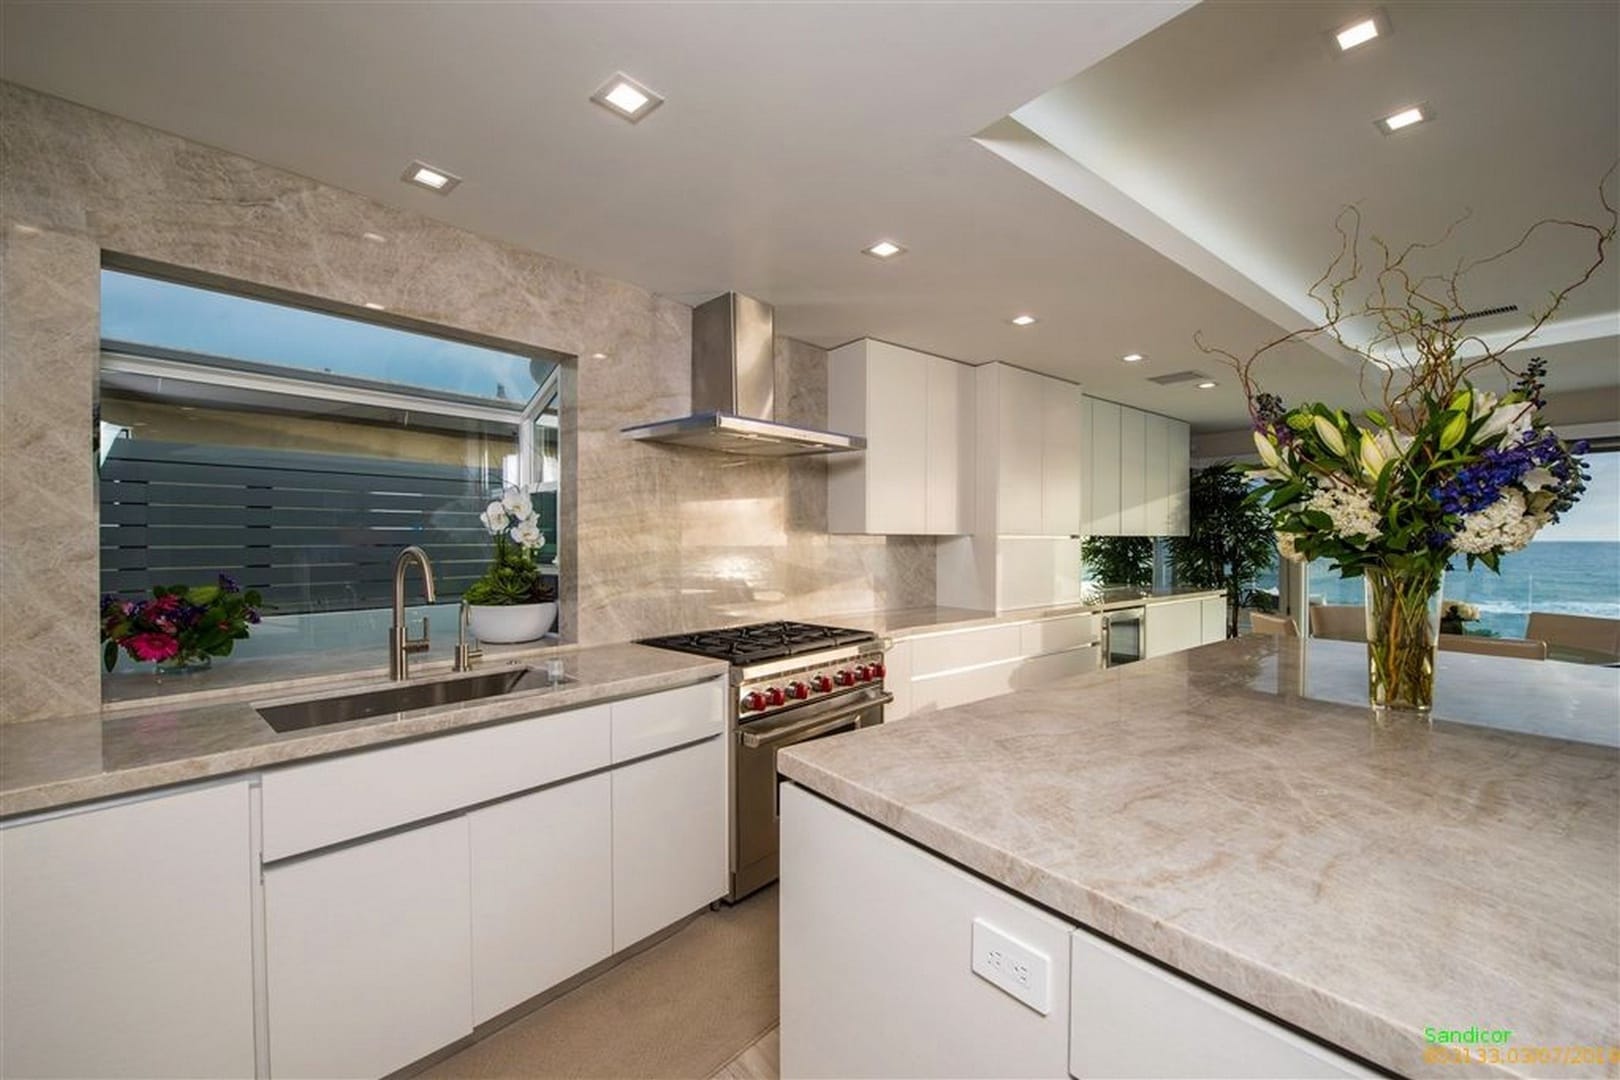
(228, 583)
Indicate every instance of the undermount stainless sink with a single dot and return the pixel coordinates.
(404, 697)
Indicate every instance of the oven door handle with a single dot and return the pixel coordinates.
(813, 726)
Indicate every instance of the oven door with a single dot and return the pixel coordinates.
(757, 744)
(1124, 636)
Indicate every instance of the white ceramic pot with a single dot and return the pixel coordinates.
(504, 624)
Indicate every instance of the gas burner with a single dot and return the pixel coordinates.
(761, 641)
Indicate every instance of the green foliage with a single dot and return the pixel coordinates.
(1229, 539)
(513, 577)
(1119, 560)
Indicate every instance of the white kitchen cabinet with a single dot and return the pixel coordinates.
(1030, 433)
(368, 953)
(1214, 619)
(670, 845)
(1173, 625)
(1156, 434)
(1133, 1019)
(954, 667)
(1178, 473)
(1087, 459)
(877, 945)
(916, 412)
(542, 877)
(126, 938)
(1133, 481)
(1102, 467)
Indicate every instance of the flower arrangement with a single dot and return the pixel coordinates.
(1441, 468)
(1454, 613)
(181, 626)
(514, 575)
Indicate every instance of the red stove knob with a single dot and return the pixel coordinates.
(863, 673)
(844, 678)
(877, 671)
(774, 696)
(821, 684)
(753, 702)
(798, 690)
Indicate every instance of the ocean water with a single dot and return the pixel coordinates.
(1570, 577)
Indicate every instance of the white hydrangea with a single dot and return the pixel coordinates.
(1350, 509)
(1287, 548)
(1503, 526)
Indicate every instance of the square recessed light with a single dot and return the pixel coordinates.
(431, 177)
(1356, 34)
(1207, 384)
(884, 249)
(1133, 358)
(1405, 118)
(625, 97)
(1024, 320)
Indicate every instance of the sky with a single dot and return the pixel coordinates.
(1597, 515)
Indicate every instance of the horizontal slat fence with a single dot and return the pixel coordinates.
(312, 532)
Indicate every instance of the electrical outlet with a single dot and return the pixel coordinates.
(1012, 966)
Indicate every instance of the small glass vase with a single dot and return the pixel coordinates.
(1403, 633)
(185, 664)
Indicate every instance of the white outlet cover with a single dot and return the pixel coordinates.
(1011, 966)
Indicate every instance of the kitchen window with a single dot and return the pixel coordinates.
(297, 450)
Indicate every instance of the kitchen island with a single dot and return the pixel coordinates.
(1216, 819)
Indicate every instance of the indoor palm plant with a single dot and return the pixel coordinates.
(1437, 468)
(512, 601)
(1229, 537)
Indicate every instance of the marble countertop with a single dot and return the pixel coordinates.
(45, 764)
(901, 623)
(1358, 878)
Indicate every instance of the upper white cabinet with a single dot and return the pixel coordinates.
(916, 411)
(126, 939)
(1030, 436)
(1137, 463)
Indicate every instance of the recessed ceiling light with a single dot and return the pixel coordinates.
(598, 356)
(1207, 384)
(1356, 34)
(431, 177)
(1133, 358)
(374, 306)
(1024, 320)
(1405, 118)
(375, 238)
(884, 249)
(626, 97)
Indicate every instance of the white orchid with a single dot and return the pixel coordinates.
(493, 518)
(526, 534)
(516, 501)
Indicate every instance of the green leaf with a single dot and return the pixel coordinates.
(109, 654)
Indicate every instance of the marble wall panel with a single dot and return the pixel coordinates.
(655, 540)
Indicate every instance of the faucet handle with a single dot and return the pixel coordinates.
(424, 638)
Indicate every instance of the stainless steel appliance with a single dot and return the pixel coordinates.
(734, 389)
(790, 683)
(1124, 636)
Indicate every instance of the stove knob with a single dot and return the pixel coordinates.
(821, 684)
(753, 702)
(798, 691)
(774, 696)
(877, 671)
(844, 678)
(863, 673)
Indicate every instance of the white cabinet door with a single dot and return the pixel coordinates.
(950, 435)
(126, 939)
(1087, 513)
(542, 878)
(669, 839)
(1021, 410)
(1061, 458)
(1178, 468)
(1133, 1019)
(1173, 626)
(1104, 468)
(369, 957)
(1214, 619)
(1133, 511)
(877, 947)
(1156, 473)
(897, 439)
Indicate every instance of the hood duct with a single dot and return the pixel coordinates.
(734, 389)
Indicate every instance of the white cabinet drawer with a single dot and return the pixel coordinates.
(325, 802)
(966, 648)
(1056, 635)
(960, 687)
(646, 725)
(1134, 1019)
(1038, 671)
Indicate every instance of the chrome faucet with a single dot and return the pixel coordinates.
(400, 643)
(465, 654)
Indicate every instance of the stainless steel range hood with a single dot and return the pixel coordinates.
(734, 390)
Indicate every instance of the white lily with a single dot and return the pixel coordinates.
(1269, 455)
(1484, 402)
(1328, 432)
(1515, 416)
(1373, 459)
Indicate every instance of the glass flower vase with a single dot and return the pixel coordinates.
(1403, 633)
(185, 664)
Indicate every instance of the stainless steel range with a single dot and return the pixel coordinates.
(790, 683)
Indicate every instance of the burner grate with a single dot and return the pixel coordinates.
(760, 641)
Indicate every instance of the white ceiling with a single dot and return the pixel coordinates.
(794, 135)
